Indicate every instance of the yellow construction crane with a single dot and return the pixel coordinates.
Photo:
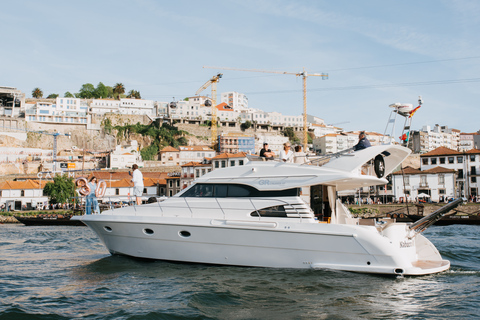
(303, 74)
(213, 82)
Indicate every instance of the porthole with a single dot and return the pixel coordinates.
(148, 231)
(184, 234)
(108, 229)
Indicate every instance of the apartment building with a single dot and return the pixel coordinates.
(64, 111)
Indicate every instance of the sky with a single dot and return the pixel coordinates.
(375, 53)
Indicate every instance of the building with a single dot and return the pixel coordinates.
(18, 195)
(172, 184)
(466, 164)
(12, 101)
(72, 111)
(437, 184)
(237, 101)
(192, 171)
(428, 139)
(234, 143)
(226, 160)
(194, 153)
(467, 141)
(125, 156)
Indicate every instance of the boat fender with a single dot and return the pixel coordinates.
(379, 166)
(101, 188)
(83, 185)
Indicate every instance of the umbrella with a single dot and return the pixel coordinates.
(423, 195)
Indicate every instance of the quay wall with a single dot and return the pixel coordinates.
(383, 210)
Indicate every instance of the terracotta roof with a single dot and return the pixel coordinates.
(195, 148)
(412, 171)
(224, 107)
(227, 155)
(195, 164)
(22, 185)
(473, 151)
(169, 149)
(441, 151)
(439, 170)
(407, 170)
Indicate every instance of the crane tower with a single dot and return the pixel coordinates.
(302, 74)
(212, 82)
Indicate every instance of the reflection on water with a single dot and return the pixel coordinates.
(65, 272)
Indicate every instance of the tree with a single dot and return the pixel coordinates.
(37, 93)
(61, 190)
(87, 91)
(68, 95)
(247, 124)
(52, 96)
(134, 94)
(118, 89)
(290, 133)
(101, 91)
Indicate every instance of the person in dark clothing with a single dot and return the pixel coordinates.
(363, 142)
(266, 152)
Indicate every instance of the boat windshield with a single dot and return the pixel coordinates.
(234, 190)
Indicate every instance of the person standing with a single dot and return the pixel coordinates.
(137, 179)
(363, 142)
(286, 155)
(91, 197)
(299, 155)
(266, 152)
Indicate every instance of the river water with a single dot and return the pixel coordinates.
(62, 272)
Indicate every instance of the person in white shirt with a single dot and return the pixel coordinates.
(137, 179)
(299, 156)
(286, 155)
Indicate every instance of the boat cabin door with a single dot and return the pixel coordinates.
(319, 202)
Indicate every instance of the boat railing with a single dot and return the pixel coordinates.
(321, 160)
(224, 211)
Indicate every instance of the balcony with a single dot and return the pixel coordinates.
(423, 185)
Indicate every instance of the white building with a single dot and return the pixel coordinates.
(436, 184)
(125, 156)
(226, 160)
(64, 111)
(467, 141)
(17, 195)
(237, 101)
(428, 139)
(466, 164)
(102, 106)
(194, 154)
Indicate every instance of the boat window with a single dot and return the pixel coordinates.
(275, 211)
(235, 190)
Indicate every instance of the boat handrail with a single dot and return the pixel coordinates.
(283, 202)
(422, 224)
(317, 160)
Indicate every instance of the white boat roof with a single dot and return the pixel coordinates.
(343, 172)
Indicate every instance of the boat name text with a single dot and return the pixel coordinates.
(406, 244)
(267, 182)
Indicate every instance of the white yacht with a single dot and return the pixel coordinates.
(278, 215)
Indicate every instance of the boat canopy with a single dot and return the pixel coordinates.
(345, 172)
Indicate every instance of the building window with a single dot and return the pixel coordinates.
(232, 163)
(460, 174)
(474, 179)
(406, 180)
(442, 160)
(425, 161)
(451, 160)
(473, 170)
(240, 162)
(441, 191)
(433, 161)
(170, 183)
(117, 191)
(224, 163)
(441, 179)
(22, 193)
(472, 158)
(144, 190)
(178, 183)
(217, 164)
(423, 180)
(460, 159)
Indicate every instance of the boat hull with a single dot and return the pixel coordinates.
(358, 249)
